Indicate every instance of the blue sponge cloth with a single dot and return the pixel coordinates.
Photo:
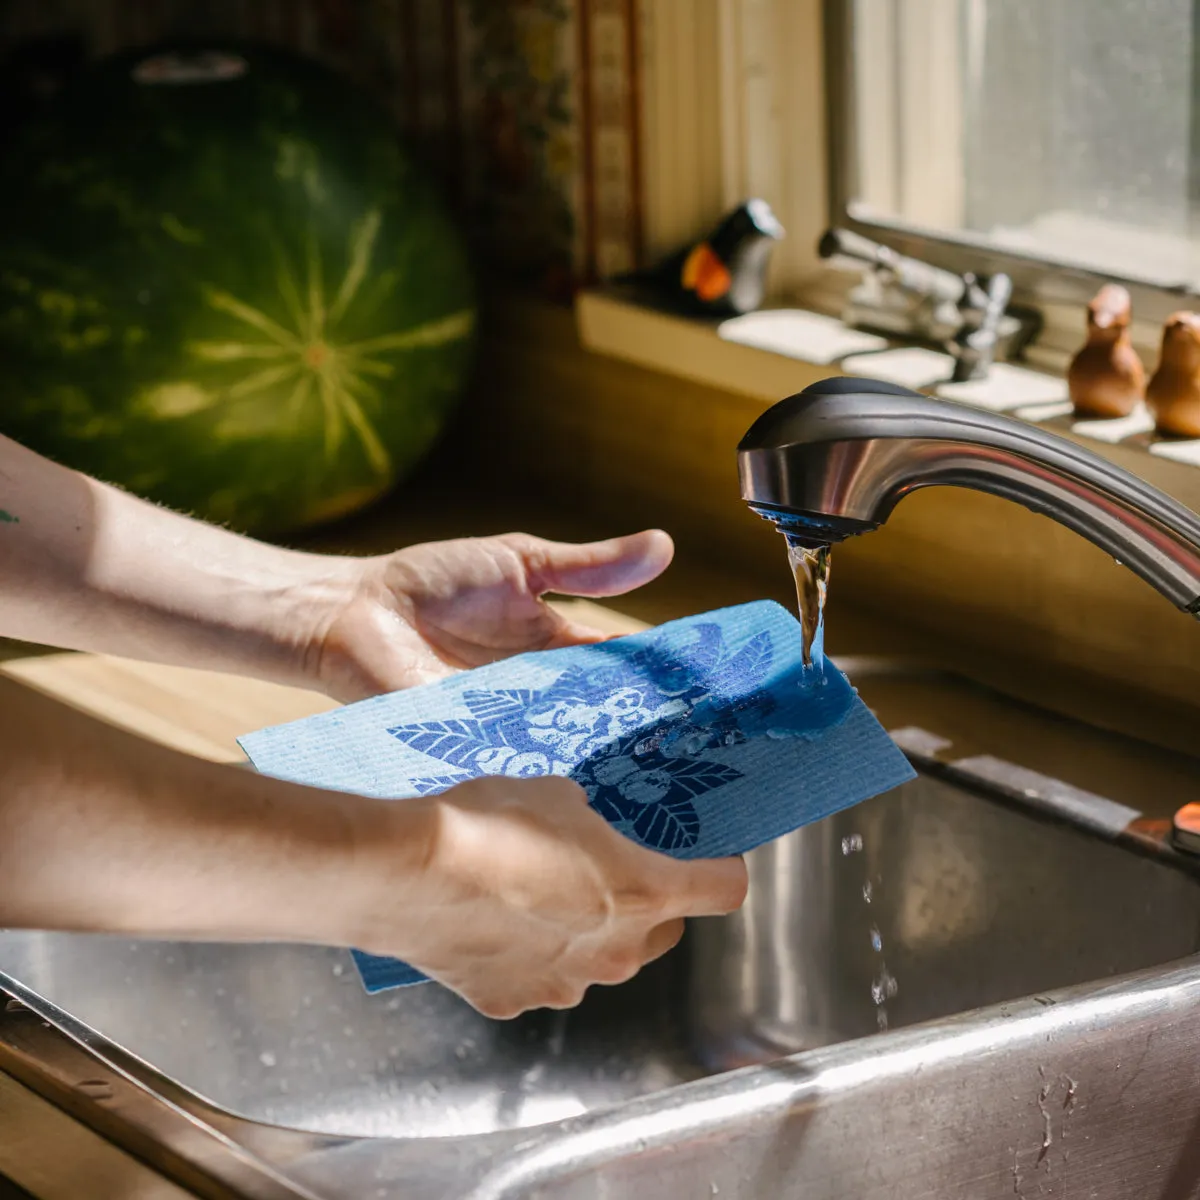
(701, 738)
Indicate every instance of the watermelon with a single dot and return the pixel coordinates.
(225, 286)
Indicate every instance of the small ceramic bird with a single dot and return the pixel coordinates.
(1106, 378)
(726, 273)
(1174, 391)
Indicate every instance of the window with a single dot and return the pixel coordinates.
(1057, 138)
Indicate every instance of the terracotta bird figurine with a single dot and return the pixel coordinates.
(1106, 378)
(725, 273)
(1174, 392)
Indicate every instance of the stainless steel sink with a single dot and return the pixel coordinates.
(985, 881)
(929, 901)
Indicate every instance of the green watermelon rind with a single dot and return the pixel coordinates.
(266, 327)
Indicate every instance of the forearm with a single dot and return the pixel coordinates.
(86, 566)
(102, 831)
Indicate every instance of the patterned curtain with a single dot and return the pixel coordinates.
(528, 110)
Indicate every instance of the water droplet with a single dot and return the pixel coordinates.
(267, 1058)
(885, 987)
(881, 1018)
(852, 844)
(868, 891)
(876, 939)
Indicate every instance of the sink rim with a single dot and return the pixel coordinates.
(261, 1158)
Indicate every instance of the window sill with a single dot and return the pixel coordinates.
(777, 352)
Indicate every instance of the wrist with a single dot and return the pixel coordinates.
(165, 587)
(278, 619)
(397, 886)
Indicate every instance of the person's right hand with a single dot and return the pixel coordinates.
(526, 897)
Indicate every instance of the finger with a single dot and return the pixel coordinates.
(662, 938)
(596, 568)
(576, 633)
(562, 996)
(708, 887)
(556, 789)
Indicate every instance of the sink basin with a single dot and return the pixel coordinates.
(976, 885)
(929, 901)
(286, 1035)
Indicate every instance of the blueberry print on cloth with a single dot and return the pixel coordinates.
(701, 738)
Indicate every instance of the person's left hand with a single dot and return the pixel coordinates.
(425, 612)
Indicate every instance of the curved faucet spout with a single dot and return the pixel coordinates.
(834, 460)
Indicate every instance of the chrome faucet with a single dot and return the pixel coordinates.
(835, 459)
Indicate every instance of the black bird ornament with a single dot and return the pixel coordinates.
(725, 274)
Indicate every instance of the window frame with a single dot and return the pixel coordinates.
(733, 105)
(1058, 288)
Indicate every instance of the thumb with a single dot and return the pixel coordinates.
(597, 568)
(706, 887)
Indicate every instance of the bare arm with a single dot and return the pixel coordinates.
(88, 567)
(512, 892)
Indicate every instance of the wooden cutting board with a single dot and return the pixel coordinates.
(199, 712)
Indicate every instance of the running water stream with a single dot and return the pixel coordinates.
(810, 567)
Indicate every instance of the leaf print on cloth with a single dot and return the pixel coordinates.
(633, 731)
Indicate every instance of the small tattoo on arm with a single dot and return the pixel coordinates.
(6, 518)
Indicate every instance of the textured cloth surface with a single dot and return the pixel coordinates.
(702, 738)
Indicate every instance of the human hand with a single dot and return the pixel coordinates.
(526, 896)
(427, 611)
